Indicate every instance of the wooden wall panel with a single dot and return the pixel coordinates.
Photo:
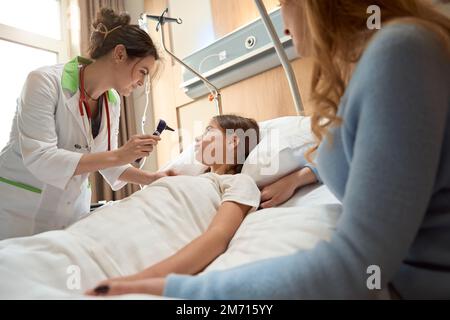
(267, 95)
(232, 14)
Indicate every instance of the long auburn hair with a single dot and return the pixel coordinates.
(336, 33)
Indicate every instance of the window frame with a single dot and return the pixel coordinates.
(60, 47)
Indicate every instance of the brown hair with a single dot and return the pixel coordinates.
(111, 29)
(234, 122)
(338, 35)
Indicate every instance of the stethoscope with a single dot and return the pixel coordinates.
(83, 106)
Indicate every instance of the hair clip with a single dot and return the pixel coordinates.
(101, 28)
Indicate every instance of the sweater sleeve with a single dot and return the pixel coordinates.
(394, 124)
(314, 170)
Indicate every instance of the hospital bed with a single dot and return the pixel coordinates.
(28, 270)
(53, 265)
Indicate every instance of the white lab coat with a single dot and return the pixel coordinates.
(44, 151)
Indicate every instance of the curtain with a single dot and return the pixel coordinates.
(100, 188)
(88, 12)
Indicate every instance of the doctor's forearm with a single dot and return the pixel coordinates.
(137, 176)
(93, 162)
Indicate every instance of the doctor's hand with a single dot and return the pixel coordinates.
(139, 146)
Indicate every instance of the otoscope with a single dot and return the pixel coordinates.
(162, 125)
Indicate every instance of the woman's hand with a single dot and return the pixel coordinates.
(139, 146)
(282, 190)
(154, 286)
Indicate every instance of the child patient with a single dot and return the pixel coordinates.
(225, 144)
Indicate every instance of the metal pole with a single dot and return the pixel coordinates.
(282, 56)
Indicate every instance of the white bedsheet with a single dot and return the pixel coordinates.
(37, 267)
(308, 217)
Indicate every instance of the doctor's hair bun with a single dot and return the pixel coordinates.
(110, 19)
(111, 29)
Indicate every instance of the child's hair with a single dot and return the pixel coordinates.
(112, 29)
(236, 123)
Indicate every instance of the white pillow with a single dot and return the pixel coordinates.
(281, 150)
(283, 143)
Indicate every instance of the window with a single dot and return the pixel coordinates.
(31, 36)
(42, 17)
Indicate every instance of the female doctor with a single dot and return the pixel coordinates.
(66, 126)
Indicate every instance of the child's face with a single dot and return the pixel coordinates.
(211, 146)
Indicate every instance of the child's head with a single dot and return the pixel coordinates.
(226, 143)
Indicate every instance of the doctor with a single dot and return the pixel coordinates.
(66, 126)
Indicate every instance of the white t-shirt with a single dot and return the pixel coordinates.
(132, 234)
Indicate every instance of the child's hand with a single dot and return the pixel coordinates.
(168, 173)
(281, 191)
(162, 174)
(278, 192)
(152, 177)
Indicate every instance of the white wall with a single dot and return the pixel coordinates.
(197, 29)
(135, 8)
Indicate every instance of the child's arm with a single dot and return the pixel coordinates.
(191, 259)
(283, 189)
(199, 253)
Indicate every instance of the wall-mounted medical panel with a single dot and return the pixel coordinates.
(241, 54)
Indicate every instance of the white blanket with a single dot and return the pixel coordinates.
(47, 265)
